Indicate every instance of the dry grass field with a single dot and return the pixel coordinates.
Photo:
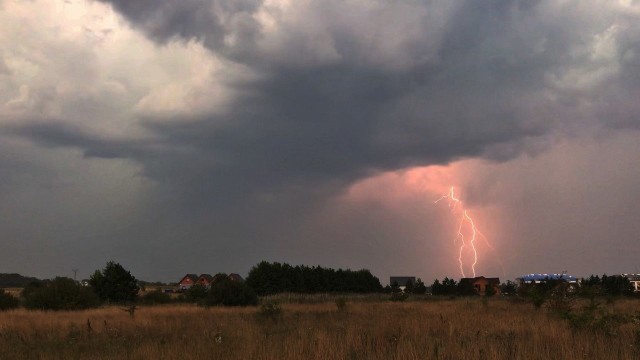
(448, 329)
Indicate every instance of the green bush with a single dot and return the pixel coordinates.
(60, 294)
(196, 293)
(8, 301)
(155, 298)
(227, 292)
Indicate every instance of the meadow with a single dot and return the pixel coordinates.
(316, 328)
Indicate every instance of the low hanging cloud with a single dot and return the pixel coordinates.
(253, 112)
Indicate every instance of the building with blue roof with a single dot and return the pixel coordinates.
(541, 278)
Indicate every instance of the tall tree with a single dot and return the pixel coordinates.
(114, 283)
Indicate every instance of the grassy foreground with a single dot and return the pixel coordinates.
(448, 329)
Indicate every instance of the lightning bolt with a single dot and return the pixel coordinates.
(456, 205)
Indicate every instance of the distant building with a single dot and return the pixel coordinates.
(187, 281)
(634, 279)
(205, 280)
(542, 278)
(481, 284)
(402, 281)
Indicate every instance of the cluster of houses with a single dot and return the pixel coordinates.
(205, 280)
(481, 283)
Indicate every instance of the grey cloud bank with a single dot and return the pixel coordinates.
(221, 133)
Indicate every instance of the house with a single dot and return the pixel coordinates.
(542, 278)
(481, 284)
(402, 281)
(634, 279)
(205, 280)
(187, 281)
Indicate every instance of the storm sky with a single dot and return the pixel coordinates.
(203, 136)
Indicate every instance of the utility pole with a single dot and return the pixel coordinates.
(75, 272)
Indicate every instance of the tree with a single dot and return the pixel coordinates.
(60, 294)
(227, 292)
(509, 288)
(395, 288)
(408, 287)
(419, 288)
(196, 293)
(616, 285)
(449, 286)
(114, 284)
(465, 288)
(436, 287)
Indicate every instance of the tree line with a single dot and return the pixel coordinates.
(115, 285)
(271, 278)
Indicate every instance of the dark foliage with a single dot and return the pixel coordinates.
(227, 292)
(419, 288)
(408, 287)
(447, 287)
(8, 301)
(155, 298)
(16, 280)
(490, 291)
(196, 293)
(59, 294)
(271, 278)
(614, 285)
(114, 284)
(465, 288)
(509, 288)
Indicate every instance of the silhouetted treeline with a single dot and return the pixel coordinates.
(612, 285)
(272, 278)
(16, 280)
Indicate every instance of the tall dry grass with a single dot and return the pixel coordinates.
(451, 329)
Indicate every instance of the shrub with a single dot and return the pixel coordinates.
(270, 310)
(399, 296)
(227, 292)
(538, 297)
(60, 294)
(560, 299)
(155, 298)
(8, 301)
(196, 293)
(341, 303)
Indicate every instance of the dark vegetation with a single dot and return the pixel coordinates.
(227, 292)
(115, 285)
(59, 294)
(272, 278)
(8, 301)
(16, 280)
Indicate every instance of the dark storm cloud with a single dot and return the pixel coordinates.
(338, 91)
(480, 91)
(208, 21)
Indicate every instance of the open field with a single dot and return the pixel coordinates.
(446, 329)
